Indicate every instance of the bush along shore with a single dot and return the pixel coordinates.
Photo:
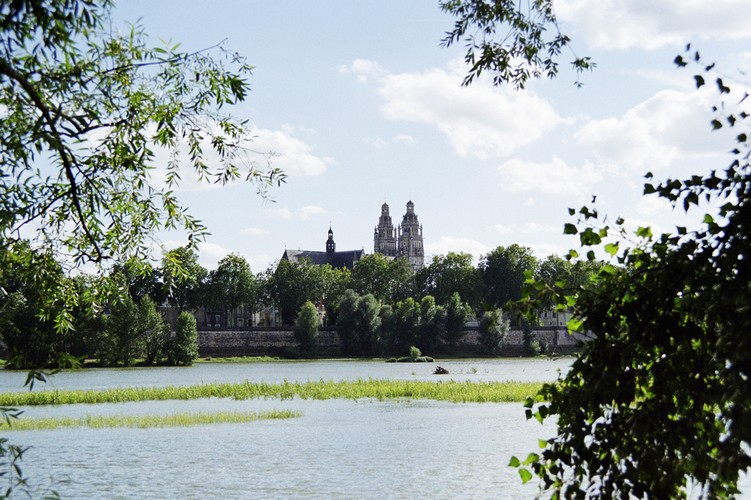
(449, 390)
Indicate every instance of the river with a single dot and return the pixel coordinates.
(337, 449)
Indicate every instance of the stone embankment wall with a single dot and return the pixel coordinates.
(260, 341)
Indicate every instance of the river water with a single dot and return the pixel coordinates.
(337, 449)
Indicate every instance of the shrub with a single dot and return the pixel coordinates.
(307, 324)
(183, 346)
(493, 329)
(414, 353)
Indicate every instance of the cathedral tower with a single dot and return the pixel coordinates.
(384, 237)
(410, 238)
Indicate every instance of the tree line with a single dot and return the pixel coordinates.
(380, 306)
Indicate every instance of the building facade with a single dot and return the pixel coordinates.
(347, 258)
(406, 241)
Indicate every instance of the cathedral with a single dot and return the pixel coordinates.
(406, 242)
(337, 260)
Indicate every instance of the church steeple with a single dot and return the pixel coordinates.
(384, 236)
(330, 245)
(405, 242)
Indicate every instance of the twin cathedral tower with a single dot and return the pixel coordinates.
(402, 242)
(405, 242)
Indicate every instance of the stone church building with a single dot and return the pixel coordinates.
(347, 258)
(406, 241)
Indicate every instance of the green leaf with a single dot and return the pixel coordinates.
(569, 228)
(644, 232)
(525, 475)
(542, 444)
(574, 324)
(611, 248)
(514, 462)
(699, 80)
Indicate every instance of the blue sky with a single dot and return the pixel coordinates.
(364, 107)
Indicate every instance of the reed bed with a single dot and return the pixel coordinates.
(381, 389)
(145, 421)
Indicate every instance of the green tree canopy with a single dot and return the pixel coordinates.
(307, 324)
(388, 280)
(457, 313)
(662, 394)
(182, 349)
(294, 283)
(85, 109)
(359, 323)
(183, 278)
(503, 271)
(231, 285)
(450, 273)
(494, 327)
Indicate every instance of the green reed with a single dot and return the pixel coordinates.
(145, 421)
(450, 390)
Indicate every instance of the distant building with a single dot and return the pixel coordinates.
(406, 242)
(337, 260)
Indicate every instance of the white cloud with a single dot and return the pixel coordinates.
(260, 262)
(253, 231)
(310, 211)
(210, 254)
(655, 133)
(527, 228)
(538, 228)
(364, 69)
(282, 212)
(555, 177)
(501, 229)
(479, 121)
(403, 139)
(649, 24)
(380, 143)
(293, 155)
(446, 244)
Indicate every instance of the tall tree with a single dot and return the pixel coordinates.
(294, 283)
(86, 107)
(183, 278)
(27, 277)
(307, 324)
(388, 280)
(494, 327)
(451, 273)
(182, 348)
(503, 273)
(231, 285)
(432, 324)
(457, 313)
